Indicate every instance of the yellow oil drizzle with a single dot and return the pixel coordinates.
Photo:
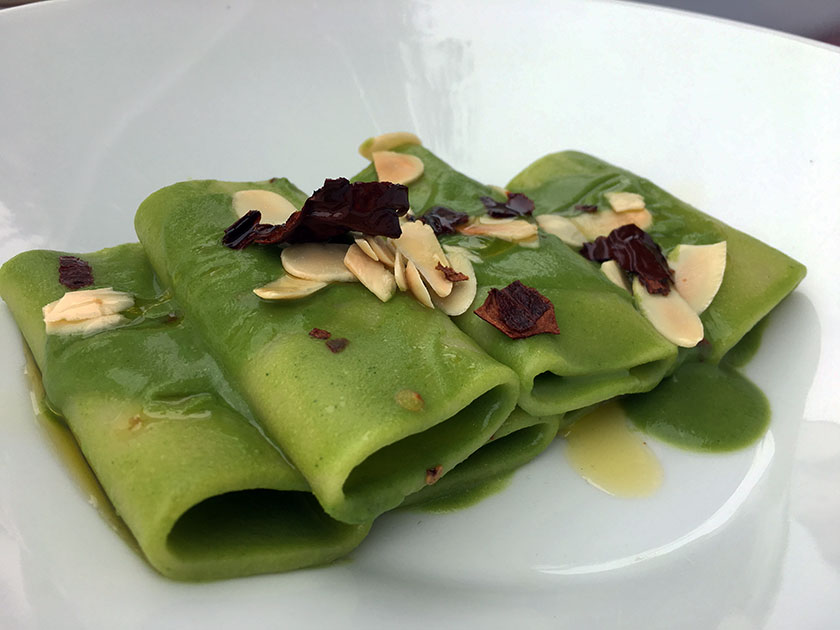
(68, 451)
(605, 451)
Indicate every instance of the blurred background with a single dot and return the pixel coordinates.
(815, 19)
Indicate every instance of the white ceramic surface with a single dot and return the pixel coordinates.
(102, 102)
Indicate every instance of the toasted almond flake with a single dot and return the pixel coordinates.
(323, 262)
(397, 168)
(486, 219)
(83, 326)
(463, 293)
(419, 245)
(616, 274)
(374, 275)
(382, 248)
(625, 201)
(87, 304)
(513, 231)
(273, 207)
(289, 288)
(671, 315)
(399, 271)
(563, 228)
(386, 142)
(601, 223)
(366, 248)
(698, 272)
(530, 243)
(416, 286)
(471, 256)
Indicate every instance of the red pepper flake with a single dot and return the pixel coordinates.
(636, 252)
(586, 207)
(450, 274)
(320, 333)
(74, 273)
(517, 205)
(337, 345)
(243, 231)
(444, 220)
(519, 311)
(433, 474)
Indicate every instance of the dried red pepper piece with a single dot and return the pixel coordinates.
(517, 205)
(320, 333)
(519, 311)
(450, 274)
(636, 252)
(586, 207)
(337, 207)
(74, 273)
(337, 345)
(444, 220)
(243, 231)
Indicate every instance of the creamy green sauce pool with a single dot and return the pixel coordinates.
(702, 407)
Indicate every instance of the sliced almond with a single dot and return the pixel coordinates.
(397, 168)
(471, 256)
(625, 201)
(399, 271)
(84, 326)
(563, 228)
(416, 286)
(671, 315)
(698, 272)
(463, 293)
(87, 304)
(513, 231)
(386, 142)
(274, 208)
(322, 262)
(374, 275)
(366, 248)
(382, 248)
(289, 288)
(616, 274)
(601, 223)
(486, 219)
(419, 245)
(530, 243)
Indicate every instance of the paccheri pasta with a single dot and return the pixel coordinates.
(266, 373)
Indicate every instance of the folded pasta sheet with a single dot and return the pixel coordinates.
(756, 277)
(519, 440)
(204, 492)
(604, 348)
(402, 399)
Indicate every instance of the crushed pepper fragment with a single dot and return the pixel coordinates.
(320, 333)
(519, 311)
(517, 205)
(433, 474)
(337, 345)
(450, 274)
(410, 400)
(636, 252)
(444, 220)
(586, 207)
(74, 273)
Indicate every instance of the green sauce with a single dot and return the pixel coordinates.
(702, 407)
(745, 350)
(464, 498)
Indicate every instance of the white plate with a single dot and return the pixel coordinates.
(104, 102)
